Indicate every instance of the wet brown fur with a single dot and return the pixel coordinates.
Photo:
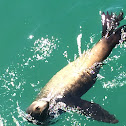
(68, 78)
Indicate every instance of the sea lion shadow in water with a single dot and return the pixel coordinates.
(63, 92)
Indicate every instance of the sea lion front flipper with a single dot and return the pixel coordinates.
(90, 109)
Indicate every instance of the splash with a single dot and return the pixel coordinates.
(1, 121)
(65, 54)
(13, 79)
(116, 82)
(15, 121)
(79, 43)
(40, 50)
(43, 48)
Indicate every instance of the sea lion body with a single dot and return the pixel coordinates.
(70, 83)
(72, 77)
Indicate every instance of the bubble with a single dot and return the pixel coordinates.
(31, 37)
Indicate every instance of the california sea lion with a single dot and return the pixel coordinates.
(64, 90)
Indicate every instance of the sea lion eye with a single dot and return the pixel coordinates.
(38, 108)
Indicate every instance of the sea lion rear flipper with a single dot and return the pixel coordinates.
(90, 109)
(110, 22)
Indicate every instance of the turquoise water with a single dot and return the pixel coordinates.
(38, 38)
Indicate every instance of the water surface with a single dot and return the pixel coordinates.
(38, 38)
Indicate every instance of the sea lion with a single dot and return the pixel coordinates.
(64, 90)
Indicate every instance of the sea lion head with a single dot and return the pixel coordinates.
(37, 112)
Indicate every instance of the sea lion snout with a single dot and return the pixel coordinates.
(37, 110)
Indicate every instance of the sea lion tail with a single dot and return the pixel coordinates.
(110, 22)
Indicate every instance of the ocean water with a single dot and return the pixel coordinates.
(38, 38)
